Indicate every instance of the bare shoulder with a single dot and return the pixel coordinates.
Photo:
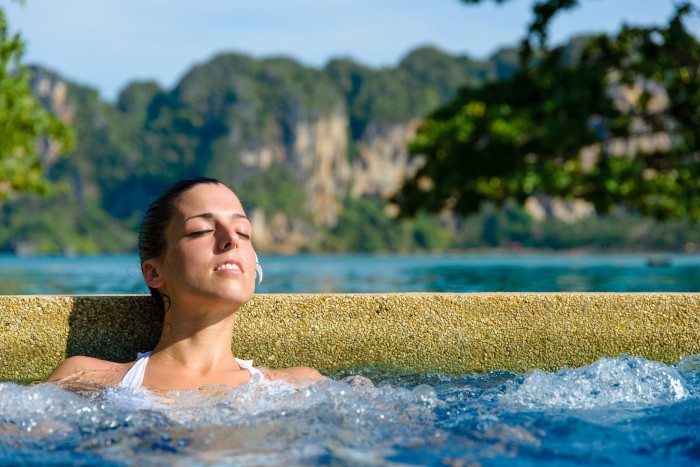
(297, 374)
(85, 365)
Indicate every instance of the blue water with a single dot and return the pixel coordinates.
(380, 273)
(622, 411)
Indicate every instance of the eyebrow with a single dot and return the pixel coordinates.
(208, 215)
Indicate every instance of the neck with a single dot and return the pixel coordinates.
(196, 339)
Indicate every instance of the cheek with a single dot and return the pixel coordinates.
(182, 262)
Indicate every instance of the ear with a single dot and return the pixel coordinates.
(149, 269)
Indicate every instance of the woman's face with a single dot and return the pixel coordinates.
(209, 256)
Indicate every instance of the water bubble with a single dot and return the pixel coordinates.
(358, 381)
(607, 382)
(689, 368)
(426, 392)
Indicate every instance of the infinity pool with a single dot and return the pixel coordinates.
(624, 411)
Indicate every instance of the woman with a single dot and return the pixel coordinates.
(199, 264)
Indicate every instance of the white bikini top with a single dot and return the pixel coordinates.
(134, 377)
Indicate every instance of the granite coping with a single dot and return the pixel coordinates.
(453, 333)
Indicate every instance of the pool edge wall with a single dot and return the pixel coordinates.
(442, 332)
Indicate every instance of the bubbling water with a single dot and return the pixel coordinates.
(250, 423)
(606, 383)
(624, 410)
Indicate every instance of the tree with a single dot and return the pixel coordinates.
(23, 122)
(612, 120)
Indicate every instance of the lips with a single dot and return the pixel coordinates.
(229, 266)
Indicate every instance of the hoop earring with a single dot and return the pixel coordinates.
(258, 270)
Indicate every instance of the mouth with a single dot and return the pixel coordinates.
(229, 266)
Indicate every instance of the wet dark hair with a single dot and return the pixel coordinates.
(152, 243)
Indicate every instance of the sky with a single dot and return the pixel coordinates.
(107, 44)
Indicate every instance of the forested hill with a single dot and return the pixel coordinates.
(299, 144)
(313, 153)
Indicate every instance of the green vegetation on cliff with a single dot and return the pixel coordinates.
(424, 79)
(222, 119)
(269, 128)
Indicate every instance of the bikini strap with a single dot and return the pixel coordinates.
(134, 377)
(248, 365)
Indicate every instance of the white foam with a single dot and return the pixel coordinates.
(623, 381)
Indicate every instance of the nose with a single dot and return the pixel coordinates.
(229, 239)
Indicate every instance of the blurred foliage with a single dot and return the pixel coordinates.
(523, 135)
(24, 123)
(277, 189)
(35, 226)
(364, 226)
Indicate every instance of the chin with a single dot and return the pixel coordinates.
(240, 297)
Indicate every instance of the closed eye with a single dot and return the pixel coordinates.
(199, 233)
(244, 235)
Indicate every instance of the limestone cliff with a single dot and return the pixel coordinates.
(295, 140)
(52, 92)
(317, 151)
(381, 162)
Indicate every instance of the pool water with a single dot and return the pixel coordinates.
(624, 411)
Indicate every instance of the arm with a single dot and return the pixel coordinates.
(299, 376)
(72, 365)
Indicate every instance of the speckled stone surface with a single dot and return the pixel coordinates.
(451, 333)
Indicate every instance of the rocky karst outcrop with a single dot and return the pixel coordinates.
(382, 161)
(266, 126)
(52, 92)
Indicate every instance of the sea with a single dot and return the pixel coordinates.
(380, 273)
